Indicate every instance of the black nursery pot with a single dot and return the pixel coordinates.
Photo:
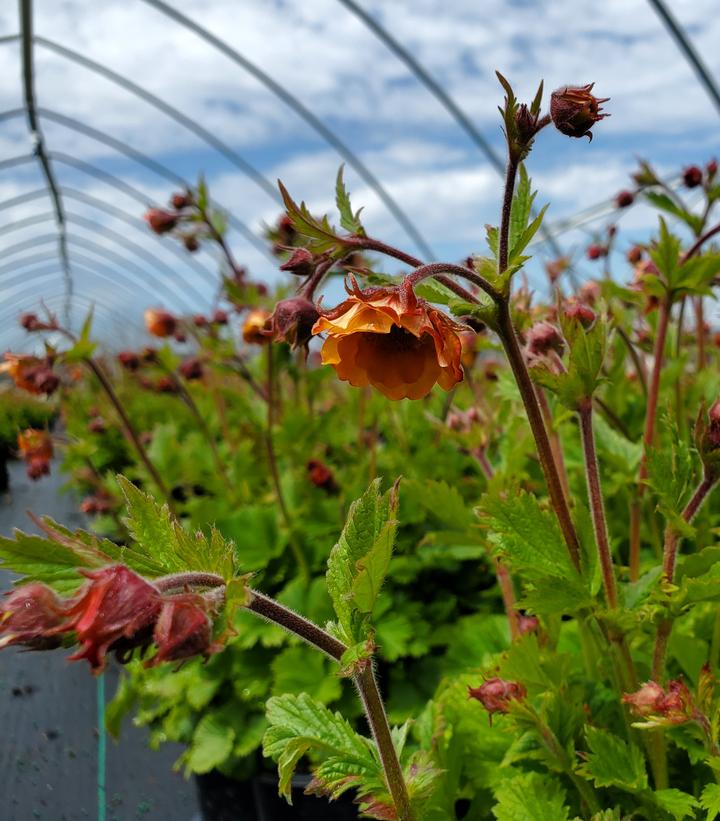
(4, 474)
(273, 807)
(225, 799)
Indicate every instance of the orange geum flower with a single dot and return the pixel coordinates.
(390, 339)
(255, 327)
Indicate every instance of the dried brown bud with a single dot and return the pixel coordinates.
(292, 321)
(574, 110)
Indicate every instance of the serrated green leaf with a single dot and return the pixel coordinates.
(298, 725)
(212, 743)
(521, 207)
(320, 234)
(665, 253)
(372, 569)
(662, 201)
(710, 801)
(530, 797)
(348, 220)
(303, 670)
(611, 762)
(679, 804)
(364, 532)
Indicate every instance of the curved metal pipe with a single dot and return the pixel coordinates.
(305, 114)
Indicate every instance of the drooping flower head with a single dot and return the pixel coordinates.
(495, 694)
(392, 340)
(575, 110)
(159, 322)
(115, 607)
(28, 614)
(254, 327)
(30, 373)
(183, 629)
(36, 448)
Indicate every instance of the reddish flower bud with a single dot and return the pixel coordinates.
(29, 321)
(285, 230)
(254, 327)
(160, 221)
(191, 243)
(219, 317)
(165, 384)
(129, 360)
(292, 321)
(596, 251)
(579, 313)
(301, 263)
(692, 176)
(96, 504)
(199, 320)
(543, 338)
(527, 624)
(574, 110)
(556, 268)
(115, 605)
(635, 254)
(321, 476)
(180, 200)
(37, 467)
(33, 443)
(179, 336)
(160, 323)
(97, 425)
(192, 368)
(27, 614)
(496, 694)
(183, 629)
(624, 199)
(711, 170)
(647, 700)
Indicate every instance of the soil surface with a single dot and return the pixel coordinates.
(48, 717)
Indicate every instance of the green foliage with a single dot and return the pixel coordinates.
(532, 797)
(710, 801)
(19, 411)
(612, 762)
(358, 563)
(349, 219)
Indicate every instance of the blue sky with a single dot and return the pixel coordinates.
(340, 71)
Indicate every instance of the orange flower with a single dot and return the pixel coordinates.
(34, 443)
(254, 327)
(30, 373)
(390, 339)
(160, 323)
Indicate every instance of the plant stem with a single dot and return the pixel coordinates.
(648, 434)
(700, 332)
(365, 682)
(635, 356)
(555, 443)
(377, 719)
(274, 473)
(129, 430)
(597, 509)
(436, 269)
(508, 596)
(525, 385)
(191, 578)
(503, 241)
(672, 542)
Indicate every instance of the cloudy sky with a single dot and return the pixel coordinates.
(339, 70)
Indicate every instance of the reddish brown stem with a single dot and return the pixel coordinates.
(597, 509)
(648, 434)
(555, 443)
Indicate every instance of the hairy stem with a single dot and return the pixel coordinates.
(672, 542)
(504, 238)
(597, 509)
(555, 443)
(648, 434)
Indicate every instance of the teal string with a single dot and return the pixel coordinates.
(101, 747)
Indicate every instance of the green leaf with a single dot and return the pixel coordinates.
(163, 540)
(302, 669)
(212, 743)
(299, 725)
(525, 238)
(710, 801)
(358, 562)
(522, 203)
(350, 221)
(665, 254)
(612, 762)
(679, 804)
(320, 234)
(530, 797)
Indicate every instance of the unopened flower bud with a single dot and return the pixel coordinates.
(711, 169)
(624, 199)
(556, 268)
(192, 368)
(292, 321)
(692, 176)
(183, 629)
(496, 694)
(97, 425)
(180, 336)
(180, 200)
(160, 221)
(527, 624)
(589, 292)
(635, 254)
(321, 476)
(160, 323)
(596, 251)
(574, 110)
(191, 243)
(647, 700)
(165, 384)
(579, 313)
(199, 320)
(543, 338)
(37, 467)
(129, 360)
(301, 263)
(219, 317)
(29, 321)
